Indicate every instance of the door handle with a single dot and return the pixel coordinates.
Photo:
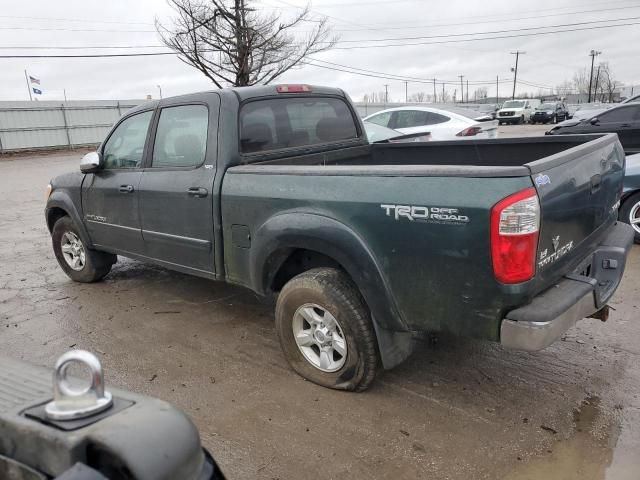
(625, 125)
(126, 189)
(197, 192)
(595, 183)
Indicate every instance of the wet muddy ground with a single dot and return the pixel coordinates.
(457, 409)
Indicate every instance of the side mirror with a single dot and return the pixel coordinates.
(594, 121)
(90, 162)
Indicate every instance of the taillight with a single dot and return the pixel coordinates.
(515, 223)
(293, 88)
(469, 132)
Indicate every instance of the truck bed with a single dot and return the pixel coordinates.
(502, 154)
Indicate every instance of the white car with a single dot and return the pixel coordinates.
(454, 124)
(517, 111)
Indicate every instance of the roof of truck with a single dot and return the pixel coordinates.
(242, 93)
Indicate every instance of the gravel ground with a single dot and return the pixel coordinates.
(457, 409)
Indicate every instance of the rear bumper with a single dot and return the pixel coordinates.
(550, 314)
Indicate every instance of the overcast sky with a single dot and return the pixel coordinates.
(549, 58)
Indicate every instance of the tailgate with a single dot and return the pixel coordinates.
(579, 191)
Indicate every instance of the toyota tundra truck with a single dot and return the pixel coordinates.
(361, 245)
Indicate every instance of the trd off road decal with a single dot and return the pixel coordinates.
(418, 213)
(558, 252)
(95, 218)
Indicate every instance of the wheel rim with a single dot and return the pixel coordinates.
(73, 251)
(634, 217)
(319, 337)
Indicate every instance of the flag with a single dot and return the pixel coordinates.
(34, 80)
(37, 91)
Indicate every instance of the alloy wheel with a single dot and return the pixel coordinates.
(319, 337)
(73, 251)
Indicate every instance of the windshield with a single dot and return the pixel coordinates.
(546, 106)
(513, 104)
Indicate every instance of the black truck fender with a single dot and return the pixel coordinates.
(60, 203)
(280, 235)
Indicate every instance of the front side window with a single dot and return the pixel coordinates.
(381, 119)
(624, 114)
(181, 137)
(125, 146)
(287, 122)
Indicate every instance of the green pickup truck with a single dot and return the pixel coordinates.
(363, 245)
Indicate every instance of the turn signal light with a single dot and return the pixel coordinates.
(515, 224)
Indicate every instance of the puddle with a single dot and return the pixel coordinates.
(587, 455)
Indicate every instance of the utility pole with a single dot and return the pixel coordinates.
(443, 92)
(517, 53)
(160, 88)
(593, 54)
(64, 92)
(435, 97)
(406, 92)
(26, 77)
(467, 91)
(386, 94)
(461, 89)
(497, 93)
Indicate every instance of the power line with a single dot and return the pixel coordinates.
(598, 27)
(488, 32)
(434, 25)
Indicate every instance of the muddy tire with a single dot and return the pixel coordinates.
(630, 213)
(325, 330)
(76, 260)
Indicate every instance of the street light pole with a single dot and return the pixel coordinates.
(593, 54)
(517, 53)
(386, 94)
(406, 92)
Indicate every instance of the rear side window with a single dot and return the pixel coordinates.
(410, 118)
(294, 122)
(181, 137)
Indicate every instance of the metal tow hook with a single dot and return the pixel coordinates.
(71, 403)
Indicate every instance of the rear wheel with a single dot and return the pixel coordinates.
(325, 330)
(630, 213)
(76, 260)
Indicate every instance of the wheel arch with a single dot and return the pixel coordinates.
(287, 244)
(60, 205)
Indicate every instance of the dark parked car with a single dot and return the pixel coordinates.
(623, 120)
(630, 203)
(550, 112)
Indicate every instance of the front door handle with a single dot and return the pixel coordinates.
(126, 189)
(198, 192)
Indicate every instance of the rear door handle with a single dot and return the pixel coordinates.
(126, 189)
(198, 192)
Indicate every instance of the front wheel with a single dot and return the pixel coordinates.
(630, 213)
(554, 120)
(325, 330)
(76, 260)
(521, 120)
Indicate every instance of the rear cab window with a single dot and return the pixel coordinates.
(288, 122)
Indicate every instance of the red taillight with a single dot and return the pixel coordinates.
(293, 88)
(515, 223)
(469, 132)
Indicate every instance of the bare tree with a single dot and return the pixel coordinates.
(418, 97)
(581, 81)
(564, 88)
(606, 84)
(480, 93)
(231, 43)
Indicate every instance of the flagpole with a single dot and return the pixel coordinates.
(26, 77)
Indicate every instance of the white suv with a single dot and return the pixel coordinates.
(517, 111)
